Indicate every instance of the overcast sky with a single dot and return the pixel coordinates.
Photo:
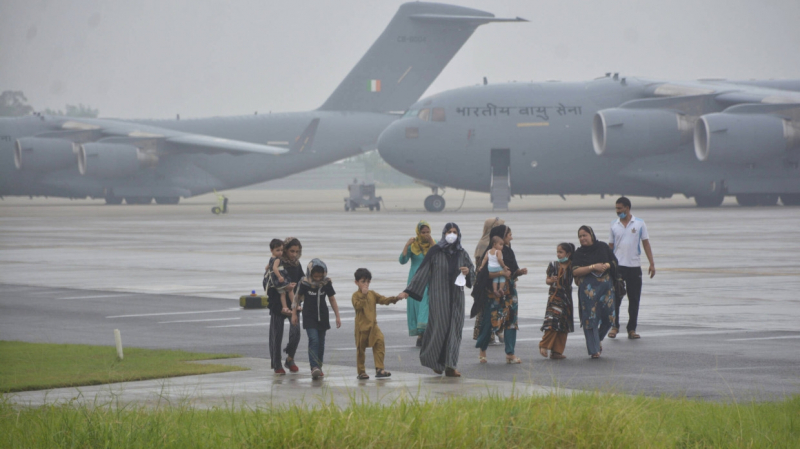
(156, 58)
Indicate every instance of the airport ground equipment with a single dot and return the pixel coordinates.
(222, 204)
(253, 301)
(362, 195)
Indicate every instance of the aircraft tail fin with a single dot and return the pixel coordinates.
(413, 49)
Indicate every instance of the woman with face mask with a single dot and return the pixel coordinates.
(595, 269)
(415, 250)
(499, 312)
(444, 272)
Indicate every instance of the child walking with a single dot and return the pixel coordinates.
(312, 290)
(276, 276)
(494, 258)
(368, 335)
(558, 321)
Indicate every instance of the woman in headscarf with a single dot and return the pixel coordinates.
(595, 268)
(480, 250)
(499, 313)
(415, 250)
(292, 250)
(444, 271)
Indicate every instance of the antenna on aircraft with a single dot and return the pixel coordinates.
(485, 81)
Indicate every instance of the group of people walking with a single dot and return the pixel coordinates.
(603, 273)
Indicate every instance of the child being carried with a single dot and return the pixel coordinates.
(276, 276)
(494, 259)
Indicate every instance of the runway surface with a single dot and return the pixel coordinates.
(718, 321)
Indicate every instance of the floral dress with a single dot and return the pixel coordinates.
(596, 299)
(559, 315)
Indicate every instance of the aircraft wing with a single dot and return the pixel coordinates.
(167, 141)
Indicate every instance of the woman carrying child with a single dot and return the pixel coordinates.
(292, 250)
(313, 289)
(415, 250)
(499, 311)
(558, 321)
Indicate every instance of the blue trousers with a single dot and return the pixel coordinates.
(316, 347)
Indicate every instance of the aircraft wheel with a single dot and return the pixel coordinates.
(216, 210)
(346, 207)
(709, 200)
(113, 200)
(434, 203)
(371, 208)
(138, 199)
(790, 199)
(167, 199)
(353, 206)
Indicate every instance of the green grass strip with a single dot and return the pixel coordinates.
(37, 366)
(584, 420)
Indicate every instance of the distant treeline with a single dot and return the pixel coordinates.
(14, 104)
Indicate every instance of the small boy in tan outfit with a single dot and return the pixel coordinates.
(368, 335)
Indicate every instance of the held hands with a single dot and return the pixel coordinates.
(402, 295)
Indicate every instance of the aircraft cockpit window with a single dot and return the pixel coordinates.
(411, 113)
(437, 115)
(424, 114)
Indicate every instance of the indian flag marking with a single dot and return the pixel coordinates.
(374, 85)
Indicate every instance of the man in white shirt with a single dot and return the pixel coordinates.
(628, 237)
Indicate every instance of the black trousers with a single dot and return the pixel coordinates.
(276, 338)
(633, 283)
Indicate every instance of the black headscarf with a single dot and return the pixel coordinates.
(451, 250)
(482, 281)
(597, 252)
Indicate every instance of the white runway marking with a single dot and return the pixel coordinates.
(199, 321)
(99, 296)
(238, 325)
(765, 338)
(385, 347)
(174, 313)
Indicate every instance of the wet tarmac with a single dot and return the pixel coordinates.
(718, 321)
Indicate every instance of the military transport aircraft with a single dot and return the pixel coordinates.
(613, 135)
(145, 159)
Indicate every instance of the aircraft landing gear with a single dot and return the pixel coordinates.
(790, 199)
(434, 203)
(138, 199)
(167, 199)
(714, 197)
(757, 199)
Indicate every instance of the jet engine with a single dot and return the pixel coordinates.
(43, 154)
(639, 132)
(106, 160)
(743, 138)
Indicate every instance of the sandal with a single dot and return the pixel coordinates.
(451, 372)
(382, 373)
(363, 376)
(557, 356)
(633, 335)
(482, 359)
(613, 332)
(514, 360)
(596, 356)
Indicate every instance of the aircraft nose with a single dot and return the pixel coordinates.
(393, 139)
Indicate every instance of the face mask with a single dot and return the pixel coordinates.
(451, 238)
(563, 259)
(622, 215)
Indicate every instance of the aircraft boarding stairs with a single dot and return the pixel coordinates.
(500, 189)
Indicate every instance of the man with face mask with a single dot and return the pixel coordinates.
(628, 237)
